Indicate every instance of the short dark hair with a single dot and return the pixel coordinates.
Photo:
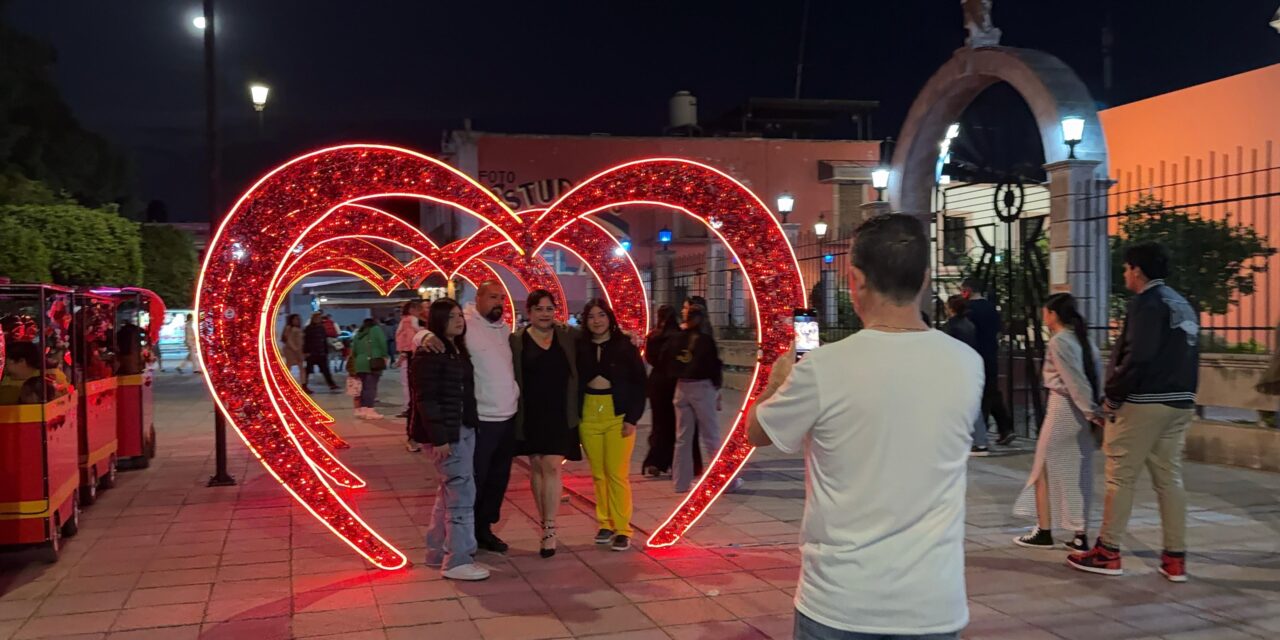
(893, 252)
(536, 296)
(698, 300)
(23, 351)
(696, 312)
(973, 284)
(1150, 257)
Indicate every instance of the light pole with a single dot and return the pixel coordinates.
(258, 94)
(207, 24)
(880, 181)
(664, 238)
(786, 202)
(1072, 133)
(820, 227)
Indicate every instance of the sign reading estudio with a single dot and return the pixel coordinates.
(525, 195)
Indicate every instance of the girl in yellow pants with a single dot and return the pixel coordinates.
(609, 453)
(613, 396)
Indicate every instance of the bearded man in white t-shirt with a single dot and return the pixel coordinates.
(884, 418)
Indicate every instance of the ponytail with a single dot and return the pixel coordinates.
(1064, 305)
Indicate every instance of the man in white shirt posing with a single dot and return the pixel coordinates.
(496, 397)
(884, 417)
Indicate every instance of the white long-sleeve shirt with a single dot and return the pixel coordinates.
(490, 348)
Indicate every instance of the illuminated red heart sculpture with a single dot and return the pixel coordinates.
(252, 253)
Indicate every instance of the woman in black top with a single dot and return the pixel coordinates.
(444, 416)
(662, 391)
(547, 414)
(612, 392)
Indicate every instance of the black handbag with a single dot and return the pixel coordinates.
(377, 364)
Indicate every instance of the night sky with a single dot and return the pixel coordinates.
(403, 71)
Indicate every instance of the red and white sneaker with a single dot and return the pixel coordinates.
(1099, 559)
(1173, 568)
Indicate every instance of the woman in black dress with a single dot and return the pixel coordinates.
(547, 416)
(661, 390)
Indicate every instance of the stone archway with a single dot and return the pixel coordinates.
(1051, 89)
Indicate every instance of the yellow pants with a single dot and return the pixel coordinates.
(610, 456)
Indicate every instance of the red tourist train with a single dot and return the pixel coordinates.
(39, 418)
(139, 316)
(95, 359)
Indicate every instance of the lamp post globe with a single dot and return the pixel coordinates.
(786, 203)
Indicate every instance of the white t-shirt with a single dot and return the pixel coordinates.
(885, 420)
(490, 348)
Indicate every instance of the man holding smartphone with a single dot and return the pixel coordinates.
(882, 545)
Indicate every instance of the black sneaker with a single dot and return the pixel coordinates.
(604, 536)
(1037, 539)
(979, 452)
(490, 542)
(403, 414)
(1006, 439)
(621, 543)
(1079, 543)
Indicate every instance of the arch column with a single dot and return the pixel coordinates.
(1079, 247)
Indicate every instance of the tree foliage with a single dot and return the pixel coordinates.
(24, 258)
(169, 264)
(86, 246)
(1212, 262)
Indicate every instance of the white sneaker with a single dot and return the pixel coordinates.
(372, 414)
(412, 447)
(470, 572)
(359, 412)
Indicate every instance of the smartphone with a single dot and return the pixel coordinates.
(805, 322)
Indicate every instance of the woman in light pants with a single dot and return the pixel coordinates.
(693, 359)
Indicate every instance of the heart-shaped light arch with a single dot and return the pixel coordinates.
(248, 256)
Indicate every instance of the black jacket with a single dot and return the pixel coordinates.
(315, 341)
(962, 329)
(444, 395)
(1157, 358)
(693, 355)
(987, 327)
(625, 371)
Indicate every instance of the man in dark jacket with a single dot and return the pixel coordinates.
(1150, 398)
(959, 326)
(315, 344)
(986, 322)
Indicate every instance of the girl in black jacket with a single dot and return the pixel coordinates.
(612, 384)
(444, 416)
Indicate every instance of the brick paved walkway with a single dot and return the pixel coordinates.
(161, 556)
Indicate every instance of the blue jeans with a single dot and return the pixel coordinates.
(369, 389)
(980, 436)
(807, 628)
(451, 536)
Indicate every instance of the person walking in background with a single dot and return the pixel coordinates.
(444, 416)
(315, 346)
(693, 360)
(291, 341)
(1060, 487)
(882, 539)
(612, 399)
(544, 359)
(1150, 398)
(661, 391)
(959, 326)
(189, 341)
(986, 320)
(369, 353)
(1270, 383)
(404, 332)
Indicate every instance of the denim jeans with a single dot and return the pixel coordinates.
(695, 405)
(451, 536)
(980, 436)
(807, 628)
(369, 389)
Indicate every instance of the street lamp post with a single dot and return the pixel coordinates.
(786, 202)
(258, 94)
(880, 181)
(664, 238)
(820, 227)
(1072, 133)
(221, 477)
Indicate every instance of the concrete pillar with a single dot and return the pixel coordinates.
(663, 259)
(591, 290)
(717, 293)
(1079, 243)
(792, 231)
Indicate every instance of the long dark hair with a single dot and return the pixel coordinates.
(289, 322)
(667, 321)
(438, 323)
(603, 305)
(1064, 305)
